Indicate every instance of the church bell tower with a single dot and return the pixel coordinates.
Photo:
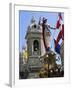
(35, 45)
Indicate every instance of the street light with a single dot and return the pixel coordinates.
(47, 55)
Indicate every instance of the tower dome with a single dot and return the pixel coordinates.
(33, 20)
(33, 25)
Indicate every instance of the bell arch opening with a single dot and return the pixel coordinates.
(36, 45)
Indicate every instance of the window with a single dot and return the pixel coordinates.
(36, 45)
(34, 26)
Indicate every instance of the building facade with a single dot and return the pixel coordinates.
(35, 44)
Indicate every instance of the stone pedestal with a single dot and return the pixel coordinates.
(34, 63)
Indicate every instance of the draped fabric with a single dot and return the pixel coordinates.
(60, 26)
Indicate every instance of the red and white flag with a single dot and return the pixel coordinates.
(59, 22)
(60, 26)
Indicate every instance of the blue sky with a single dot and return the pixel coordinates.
(25, 20)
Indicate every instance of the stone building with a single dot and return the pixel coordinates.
(35, 45)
